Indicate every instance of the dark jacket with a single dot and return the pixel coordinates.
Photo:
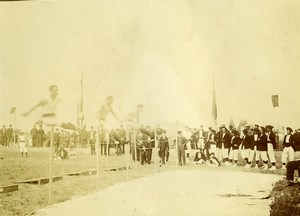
(163, 144)
(236, 142)
(272, 139)
(262, 144)
(181, 143)
(296, 137)
(290, 143)
(248, 142)
(224, 139)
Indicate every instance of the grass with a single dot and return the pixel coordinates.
(32, 197)
(285, 200)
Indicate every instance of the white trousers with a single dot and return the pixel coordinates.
(213, 149)
(248, 153)
(23, 147)
(271, 153)
(261, 155)
(287, 153)
(233, 154)
(222, 152)
(201, 143)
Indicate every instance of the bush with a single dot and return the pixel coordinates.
(286, 200)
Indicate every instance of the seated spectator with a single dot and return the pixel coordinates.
(291, 167)
(213, 160)
(200, 157)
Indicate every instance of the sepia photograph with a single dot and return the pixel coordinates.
(149, 107)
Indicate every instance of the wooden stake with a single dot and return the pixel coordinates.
(51, 165)
(97, 160)
(155, 152)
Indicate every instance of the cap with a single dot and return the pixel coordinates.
(270, 127)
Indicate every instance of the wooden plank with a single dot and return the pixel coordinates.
(73, 174)
(117, 169)
(39, 181)
(88, 172)
(9, 188)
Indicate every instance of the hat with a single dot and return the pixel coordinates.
(270, 127)
(223, 126)
(256, 130)
(256, 125)
(179, 131)
(235, 132)
(263, 129)
(290, 129)
(245, 131)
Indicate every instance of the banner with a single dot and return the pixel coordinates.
(275, 100)
(13, 110)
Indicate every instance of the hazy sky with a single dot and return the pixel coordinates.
(159, 53)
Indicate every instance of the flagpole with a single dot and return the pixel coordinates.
(214, 106)
(15, 126)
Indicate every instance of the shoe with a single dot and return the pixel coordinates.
(256, 166)
(283, 167)
(248, 166)
(265, 167)
(272, 168)
(234, 165)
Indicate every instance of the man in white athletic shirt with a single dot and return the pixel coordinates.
(48, 105)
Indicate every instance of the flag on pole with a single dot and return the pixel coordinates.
(275, 100)
(13, 110)
(214, 105)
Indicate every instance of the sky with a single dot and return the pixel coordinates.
(163, 54)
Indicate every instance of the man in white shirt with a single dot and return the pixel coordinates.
(48, 105)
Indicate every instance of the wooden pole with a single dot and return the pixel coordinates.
(51, 165)
(15, 127)
(126, 147)
(97, 155)
(134, 142)
(155, 152)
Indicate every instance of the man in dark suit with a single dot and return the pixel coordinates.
(288, 148)
(271, 139)
(33, 134)
(10, 135)
(224, 145)
(181, 147)
(92, 140)
(163, 147)
(40, 136)
(122, 136)
(4, 136)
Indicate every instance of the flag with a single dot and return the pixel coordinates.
(275, 101)
(214, 106)
(13, 110)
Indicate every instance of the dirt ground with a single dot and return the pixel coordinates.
(30, 198)
(181, 192)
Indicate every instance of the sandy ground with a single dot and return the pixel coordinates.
(183, 192)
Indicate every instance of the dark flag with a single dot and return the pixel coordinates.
(13, 110)
(275, 101)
